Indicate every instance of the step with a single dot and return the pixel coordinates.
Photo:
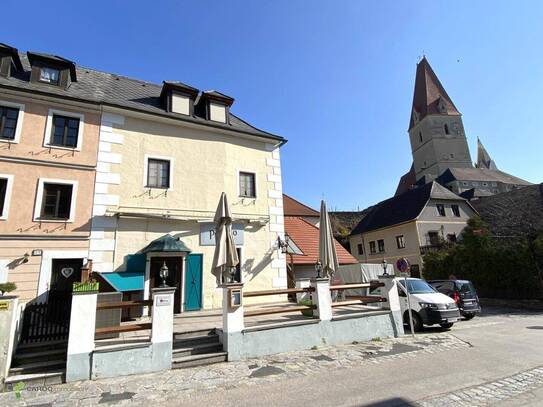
(38, 367)
(197, 349)
(199, 360)
(38, 355)
(36, 379)
(196, 340)
(194, 334)
(41, 346)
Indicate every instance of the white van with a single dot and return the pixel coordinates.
(429, 307)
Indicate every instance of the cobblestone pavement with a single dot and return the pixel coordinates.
(176, 385)
(491, 393)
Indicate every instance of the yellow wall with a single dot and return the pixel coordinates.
(205, 163)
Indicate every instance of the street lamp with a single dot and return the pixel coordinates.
(318, 268)
(384, 264)
(283, 244)
(164, 274)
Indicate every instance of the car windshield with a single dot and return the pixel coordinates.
(418, 287)
(465, 287)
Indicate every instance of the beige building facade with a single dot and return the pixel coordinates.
(203, 161)
(410, 225)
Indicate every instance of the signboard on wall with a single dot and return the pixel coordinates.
(207, 234)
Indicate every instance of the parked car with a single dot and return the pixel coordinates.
(462, 292)
(428, 306)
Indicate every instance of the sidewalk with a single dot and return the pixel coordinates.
(179, 385)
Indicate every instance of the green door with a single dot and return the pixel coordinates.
(193, 282)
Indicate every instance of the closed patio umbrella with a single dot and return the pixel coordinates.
(226, 256)
(327, 248)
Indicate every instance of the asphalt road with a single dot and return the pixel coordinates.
(504, 343)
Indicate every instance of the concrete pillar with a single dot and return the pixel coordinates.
(390, 292)
(162, 327)
(321, 298)
(9, 313)
(81, 336)
(232, 314)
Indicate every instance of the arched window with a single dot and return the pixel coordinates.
(446, 129)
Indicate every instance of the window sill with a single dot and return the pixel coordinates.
(247, 197)
(62, 147)
(161, 188)
(45, 220)
(6, 140)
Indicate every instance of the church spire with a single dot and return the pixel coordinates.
(483, 158)
(430, 96)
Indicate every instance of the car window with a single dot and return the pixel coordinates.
(418, 287)
(443, 286)
(465, 287)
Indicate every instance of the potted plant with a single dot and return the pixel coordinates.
(306, 312)
(7, 288)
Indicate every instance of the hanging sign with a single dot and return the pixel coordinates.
(207, 234)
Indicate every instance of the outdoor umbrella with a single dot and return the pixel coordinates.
(327, 248)
(226, 256)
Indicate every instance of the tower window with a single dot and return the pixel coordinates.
(420, 136)
(446, 129)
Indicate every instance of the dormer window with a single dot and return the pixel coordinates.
(178, 98)
(51, 69)
(214, 106)
(9, 61)
(217, 113)
(49, 75)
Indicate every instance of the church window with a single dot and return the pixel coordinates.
(420, 136)
(485, 184)
(446, 129)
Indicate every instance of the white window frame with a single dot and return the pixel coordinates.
(39, 200)
(7, 200)
(444, 210)
(49, 125)
(20, 117)
(239, 171)
(146, 170)
(403, 241)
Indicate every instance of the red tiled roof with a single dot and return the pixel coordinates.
(291, 207)
(306, 237)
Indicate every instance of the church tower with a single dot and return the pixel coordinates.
(436, 131)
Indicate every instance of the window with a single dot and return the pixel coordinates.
(360, 248)
(400, 242)
(372, 247)
(49, 75)
(217, 113)
(446, 128)
(433, 237)
(381, 245)
(56, 201)
(440, 209)
(8, 122)
(485, 184)
(158, 173)
(65, 131)
(247, 188)
(455, 210)
(420, 136)
(5, 194)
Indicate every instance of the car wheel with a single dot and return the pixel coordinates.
(417, 321)
(469, 316)
(447, 325)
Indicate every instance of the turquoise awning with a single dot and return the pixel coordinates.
(125, 280)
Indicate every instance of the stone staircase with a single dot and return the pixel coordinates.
(38, 364)
(197, 348)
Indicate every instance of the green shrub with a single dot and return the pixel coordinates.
(7, 288)
(306, 312)
(498, 267)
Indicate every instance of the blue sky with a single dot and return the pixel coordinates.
(334, 77)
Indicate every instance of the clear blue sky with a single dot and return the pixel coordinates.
(334, 77)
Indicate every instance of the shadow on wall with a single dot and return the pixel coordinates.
(393, 402)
